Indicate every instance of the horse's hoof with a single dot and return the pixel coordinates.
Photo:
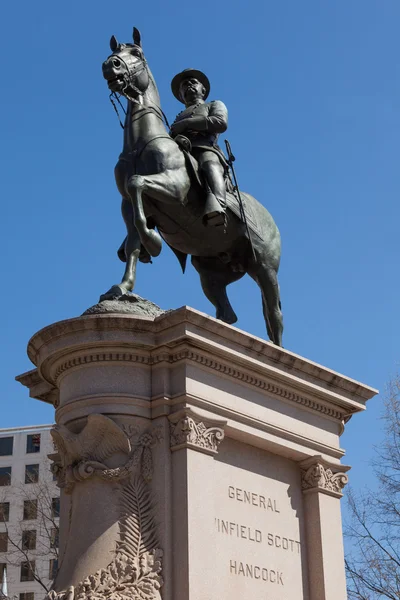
(229, 318)
(116, 291)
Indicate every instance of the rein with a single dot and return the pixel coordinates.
(115, 107)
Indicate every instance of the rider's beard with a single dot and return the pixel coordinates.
(191, 96)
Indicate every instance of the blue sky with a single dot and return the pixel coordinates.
(313, 93)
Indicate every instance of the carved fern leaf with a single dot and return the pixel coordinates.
(136, 571)
(138, 528)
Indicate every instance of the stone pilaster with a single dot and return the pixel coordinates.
(322, 483)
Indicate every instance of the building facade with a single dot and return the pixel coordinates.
(29, 513)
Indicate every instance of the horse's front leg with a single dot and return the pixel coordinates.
(130, 252)
(170, 186)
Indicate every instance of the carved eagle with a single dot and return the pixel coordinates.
(98, 440)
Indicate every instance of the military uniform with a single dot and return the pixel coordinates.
(205, 122)
(209, 120)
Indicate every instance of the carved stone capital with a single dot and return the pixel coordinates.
(320, 476)
(190, 430)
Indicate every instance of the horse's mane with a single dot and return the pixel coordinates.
(151, 93)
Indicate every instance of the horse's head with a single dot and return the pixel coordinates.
(125, 70)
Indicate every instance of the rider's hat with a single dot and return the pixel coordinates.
(177, 80)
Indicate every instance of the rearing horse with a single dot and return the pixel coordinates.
(158, 191)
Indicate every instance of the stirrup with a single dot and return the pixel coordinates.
(215, 219)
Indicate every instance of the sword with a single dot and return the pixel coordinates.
(230, 161)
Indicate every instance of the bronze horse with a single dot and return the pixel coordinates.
(158, 191)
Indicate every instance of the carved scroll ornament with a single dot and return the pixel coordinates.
(320, 478)
(189, 433)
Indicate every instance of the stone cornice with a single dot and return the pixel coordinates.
(56, 368)
(254, 346)
(99, 357)
(184, 354)
(95, 324)
(258, 369)
(253, 379)
(168, 322)
(187, 335)
(38, 387)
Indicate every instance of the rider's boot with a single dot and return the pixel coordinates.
(214, 211)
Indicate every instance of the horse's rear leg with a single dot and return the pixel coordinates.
(266, 318)
(214, 277)
(266, 278)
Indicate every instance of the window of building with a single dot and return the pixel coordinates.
(55, 507)
(30, 510)
(3, 568)
(33, 443)
(4, 512)
(6, 446)
(53, 568)
(54, 537)
(27, 596)
(5, 475)
(27, 570)
(29, 539)
(3, 541)
(31, 473)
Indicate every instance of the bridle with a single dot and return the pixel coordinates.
(139, 66)
(130, 73)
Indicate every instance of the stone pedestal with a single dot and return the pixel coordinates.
(196, 462)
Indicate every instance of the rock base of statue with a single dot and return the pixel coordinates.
(195, 461)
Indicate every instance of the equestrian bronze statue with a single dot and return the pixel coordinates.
(175, 186)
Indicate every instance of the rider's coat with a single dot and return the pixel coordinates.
(209, 120)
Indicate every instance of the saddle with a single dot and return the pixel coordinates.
(193, 166)
(231, 197)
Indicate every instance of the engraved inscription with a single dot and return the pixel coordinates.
(252, 498)
(237, 530)
(278, 541)
(255, 572)
(255, 535)
(282, 542)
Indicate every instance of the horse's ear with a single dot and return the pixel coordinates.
(113, 43)
(137, 37)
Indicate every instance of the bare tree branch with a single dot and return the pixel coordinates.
(373, 565)
(45, 525)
